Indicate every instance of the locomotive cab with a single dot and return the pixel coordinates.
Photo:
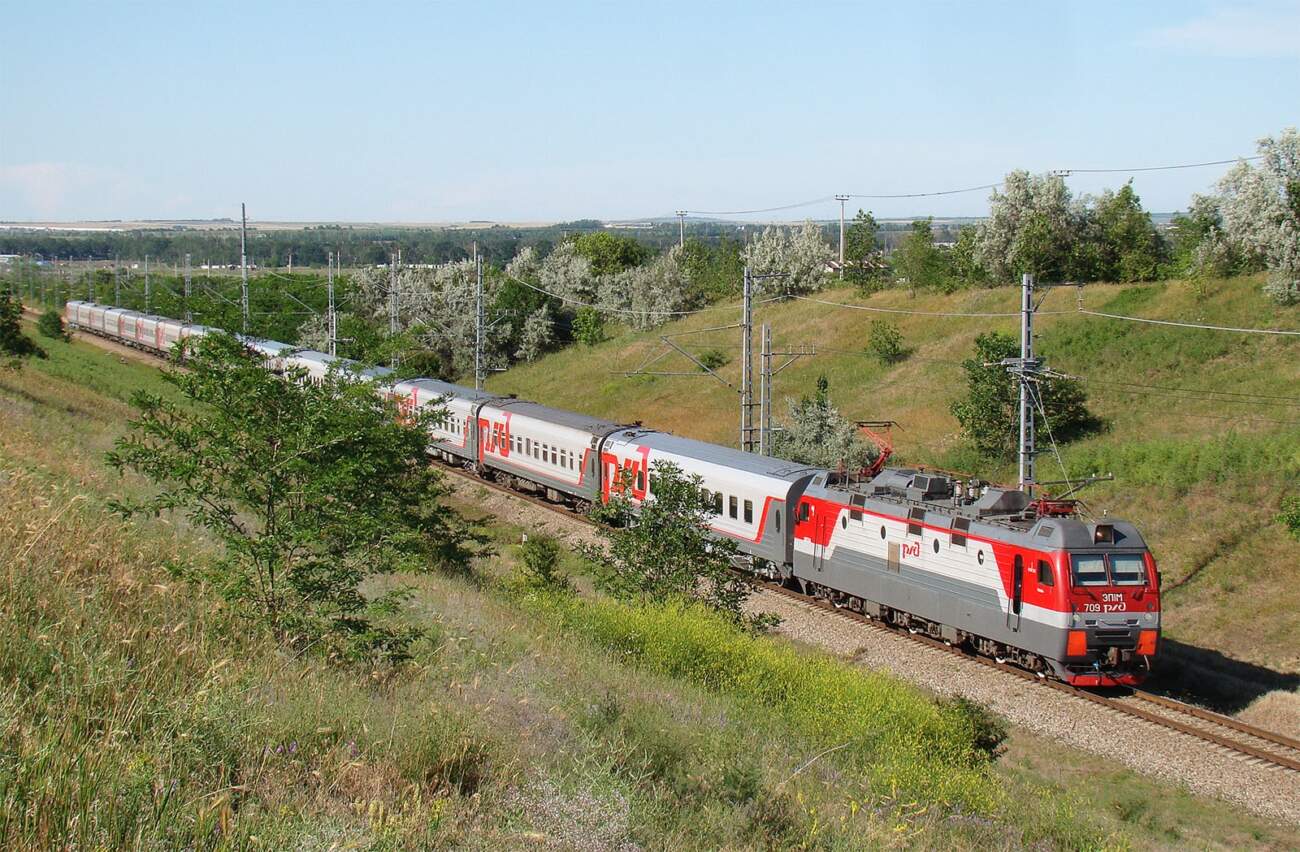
(1112, 591)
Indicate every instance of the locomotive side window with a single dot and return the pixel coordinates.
(915, 518)
(732, 505)
(1128, 569)
(749, 511)
(1045, 576)
(960, 526)
(777, 517)
(856, 502)
(1088, 569)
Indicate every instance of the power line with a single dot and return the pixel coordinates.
(929, 194)
(916, 313)
(822, 200)
(1160, 168)
(1191, 324)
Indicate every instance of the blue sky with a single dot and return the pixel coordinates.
(486, 110)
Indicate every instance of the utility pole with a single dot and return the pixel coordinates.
(146, 283)
(765, 391)
(841, 199)
(189, 317)
(243, 263)
(478, 320)
(331, 317)
(747, 365)
(392, 305)
(681, 228)
(1027, 370)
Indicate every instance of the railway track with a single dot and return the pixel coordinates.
(1251, 743)
(1247, 741)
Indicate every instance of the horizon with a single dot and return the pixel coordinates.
(498, 114)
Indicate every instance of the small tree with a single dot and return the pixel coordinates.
(51, 325)
(989, 413)
(862, 264)
(311, 489)
(15, 346)
(886, 342)
(588, 326)
(663, 549)
(919, 260)
(816, 434)
(540, 555)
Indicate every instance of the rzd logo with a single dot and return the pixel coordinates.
(911, 549)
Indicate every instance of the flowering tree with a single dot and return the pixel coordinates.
(1260, 206)
(651, 291)
(798, 255)
(817, 434)
(1030, 228)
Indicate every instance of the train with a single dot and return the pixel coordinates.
(1023, 580)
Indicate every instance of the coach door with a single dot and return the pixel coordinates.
(823, 538)
(1017, 592)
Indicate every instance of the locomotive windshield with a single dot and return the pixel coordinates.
(1115, 569)
(1088, 569)
(1128, 569)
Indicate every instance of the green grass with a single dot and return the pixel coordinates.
(136, 712)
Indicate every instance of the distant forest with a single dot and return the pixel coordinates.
(363, 246)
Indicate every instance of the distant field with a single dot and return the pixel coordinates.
(1203, 477)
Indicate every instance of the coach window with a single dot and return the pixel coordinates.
(640, 480)
(717, 503)
(732, 505)
(805, 511)
(749, 511)
(1045, 573)
(776, 516)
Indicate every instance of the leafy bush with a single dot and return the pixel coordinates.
(51, 325)
(14, 345)
(886, 342)
(989, 413)
(588, 326)
(817, 434)
(540, 556)
(662, 548)
(988, 730)
(714, 358)
(1290, 515)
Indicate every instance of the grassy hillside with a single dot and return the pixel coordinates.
(1203, 477)
(135, 711)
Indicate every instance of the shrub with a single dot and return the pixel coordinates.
(714, 358)
(14, 345)
(51, 325)
(988, 730)
(540, 556)
(1290, 515)
(588, 326)
(886, 342)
